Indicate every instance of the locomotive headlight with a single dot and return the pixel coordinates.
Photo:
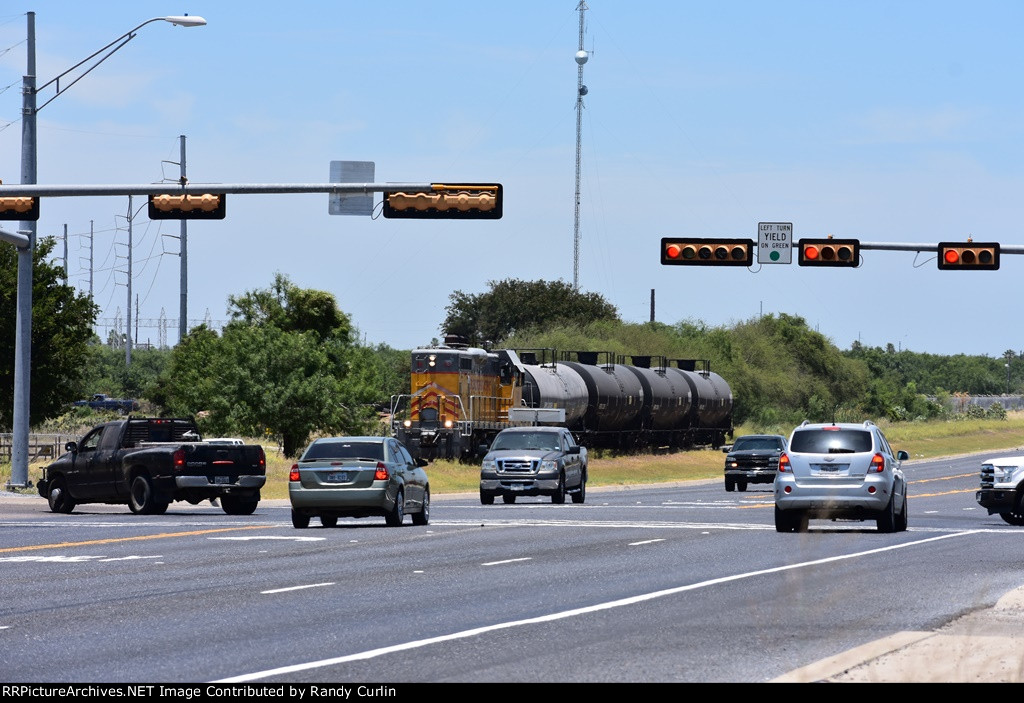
(407, 424)
(448, 424)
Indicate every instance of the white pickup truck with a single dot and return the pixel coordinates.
(533, 461)
(1001, 488)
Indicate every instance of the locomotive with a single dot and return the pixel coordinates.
(461, 397)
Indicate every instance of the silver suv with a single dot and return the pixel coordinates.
(843, 471)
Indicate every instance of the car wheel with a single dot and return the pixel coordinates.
(581, 495)
(558, 497)
(903, 517)
(300, 521)
(396, 516)
(886, 520)
(730, 484)
(59, 499)
(329, 520)
(1015, 518)
(486, 498)
(508, 498)
(141, 496)
(741, 485)
(423, 516)
(790, 520)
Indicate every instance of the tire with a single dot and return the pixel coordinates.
(558, 497)
(903, 517)
(730, 484)
(396, 516)
(886, 519)
(236, 505)
(300, 521)
(581, 495)
(59, 499)
(160, 508)
(486, 498)
(142, 496)
(329, 520)
(508, 498)
(790, 520)
(423, 516)
(741, 485)
(1015, 518)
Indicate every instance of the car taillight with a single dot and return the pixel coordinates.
(293, 475)
(784, 464)
(877, 464)
(263, 458)
(381, 474)
(178, 459)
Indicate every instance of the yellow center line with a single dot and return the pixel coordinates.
(114, 540)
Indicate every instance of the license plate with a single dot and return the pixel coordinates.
(337, 477)
(222, 479)
(517, 487)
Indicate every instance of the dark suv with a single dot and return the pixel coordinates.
(753, 458)
(840, 471)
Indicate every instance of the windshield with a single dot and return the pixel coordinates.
(764, 443)
(526, 440)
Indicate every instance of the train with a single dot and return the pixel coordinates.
(461, 397)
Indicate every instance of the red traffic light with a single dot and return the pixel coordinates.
(829, 252)
(707, 252)
(970, 256)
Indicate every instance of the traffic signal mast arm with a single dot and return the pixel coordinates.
(67, 191)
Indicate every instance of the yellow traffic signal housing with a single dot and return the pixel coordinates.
(469, 201)
(209, 206)
(707, 252)
(19, 208)
(829, 252)
(970, 256)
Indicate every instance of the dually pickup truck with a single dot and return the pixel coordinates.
(147, 463)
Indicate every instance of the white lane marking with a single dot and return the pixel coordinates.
(505, 561)
(5, 627)
(155, 556)
(646, 541)
(249, 538)
(632, 600)
(297, 588)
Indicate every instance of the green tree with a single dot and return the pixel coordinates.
(285, 366)
(514, 306)
(62, 321)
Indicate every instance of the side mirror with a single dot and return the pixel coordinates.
(482, 449)
(574, 450)
(726, 448)
(71, 447)
(902, 455)
(420, 461)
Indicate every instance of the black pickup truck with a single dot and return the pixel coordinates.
(147, 463)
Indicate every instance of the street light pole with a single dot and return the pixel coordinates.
(23, 321)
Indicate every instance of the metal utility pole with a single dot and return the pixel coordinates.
(581, 90)
(183, 285)
(128, 328)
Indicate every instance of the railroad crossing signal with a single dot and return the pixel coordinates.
(19, 208)
(209, 206)
(829, 252)
(707, 252)
(972, 256)
(468, 201)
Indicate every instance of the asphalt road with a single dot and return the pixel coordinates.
(677, 583)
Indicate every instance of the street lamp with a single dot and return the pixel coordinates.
(23, 322)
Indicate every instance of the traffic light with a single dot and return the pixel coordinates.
(707, 252)
(469, 201)
(19, 208)
(829, 252)
(970, 256)
(209, 206)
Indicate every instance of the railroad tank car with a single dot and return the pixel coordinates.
(460, 397)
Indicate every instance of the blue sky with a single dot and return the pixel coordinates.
(888, 122)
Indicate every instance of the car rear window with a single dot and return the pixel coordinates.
(829, 441)
(344, 450)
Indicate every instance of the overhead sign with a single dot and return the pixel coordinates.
(360, 204)
(774, 242)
